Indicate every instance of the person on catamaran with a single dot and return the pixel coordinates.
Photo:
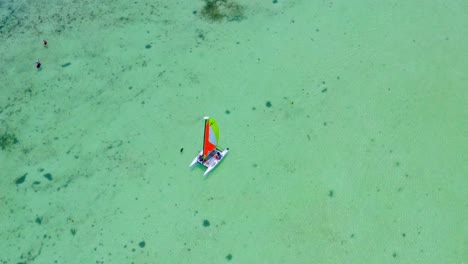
(218, 155)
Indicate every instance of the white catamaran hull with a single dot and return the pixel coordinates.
(210, 163)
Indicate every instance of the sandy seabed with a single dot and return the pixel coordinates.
(346, 123)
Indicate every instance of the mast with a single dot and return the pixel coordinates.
(204, 135)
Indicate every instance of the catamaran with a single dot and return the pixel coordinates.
(211, 155)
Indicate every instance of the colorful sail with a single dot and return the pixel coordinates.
(211, 136)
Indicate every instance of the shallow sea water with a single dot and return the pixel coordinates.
(346, 123)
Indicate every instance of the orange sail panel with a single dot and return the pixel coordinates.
(211, 136)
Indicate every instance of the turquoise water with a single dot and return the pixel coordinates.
(346, 123)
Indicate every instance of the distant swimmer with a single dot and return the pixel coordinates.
(38, 64)
(45, 43)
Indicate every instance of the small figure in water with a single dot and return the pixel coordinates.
(38, 64)
(45, 43)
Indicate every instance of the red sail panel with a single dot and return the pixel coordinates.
(208, 145)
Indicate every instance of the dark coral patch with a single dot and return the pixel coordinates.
(48, 176)
(21, 179)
